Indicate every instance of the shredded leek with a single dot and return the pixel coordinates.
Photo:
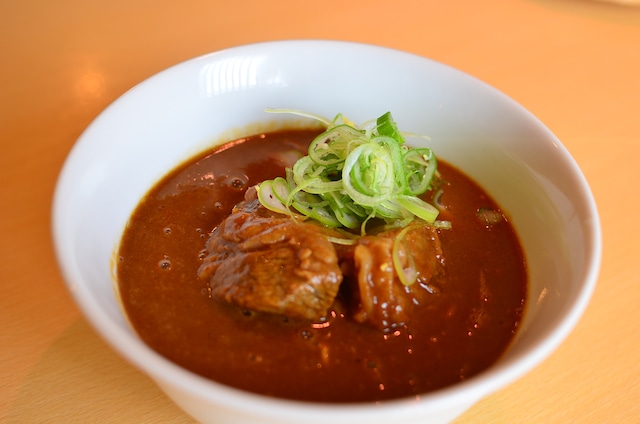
(353, 174)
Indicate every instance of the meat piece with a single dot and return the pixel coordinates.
(383, 300)
(267, 262)
(263, 261)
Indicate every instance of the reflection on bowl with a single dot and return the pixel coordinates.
(221, 96)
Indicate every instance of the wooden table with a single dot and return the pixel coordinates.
(575, 64)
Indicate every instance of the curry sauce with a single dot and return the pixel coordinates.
(468, 320)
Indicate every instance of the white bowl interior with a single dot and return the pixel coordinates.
(197, 104)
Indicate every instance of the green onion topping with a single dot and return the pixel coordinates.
(353, 174)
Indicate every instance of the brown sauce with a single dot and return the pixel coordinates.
(470, 321)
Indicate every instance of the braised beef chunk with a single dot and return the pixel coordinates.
(267, 262)
(383, 300)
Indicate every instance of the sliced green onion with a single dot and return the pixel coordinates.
(420, 166)
(345, 215)
(368, 176)
(268, 198)
(328, 148)
(353, 174)
(281, 189)
(419, 207)
(409, 274)
(320, 118)
(385, 125)
(324, 215)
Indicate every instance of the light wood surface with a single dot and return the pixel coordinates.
(575, 64)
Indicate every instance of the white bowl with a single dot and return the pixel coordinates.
(217, 97)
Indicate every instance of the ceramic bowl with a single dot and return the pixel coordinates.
(211, 99)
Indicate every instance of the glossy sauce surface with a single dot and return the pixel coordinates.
(470, 320)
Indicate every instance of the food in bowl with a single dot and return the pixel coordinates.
(335, 265)
(218, 97)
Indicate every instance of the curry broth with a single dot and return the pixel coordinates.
(473, 316)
